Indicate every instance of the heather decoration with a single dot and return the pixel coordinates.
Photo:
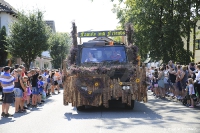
(132, 52)
(95, 83)
(71, 60)
(108, 70)
(89, 82)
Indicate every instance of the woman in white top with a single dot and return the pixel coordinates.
(198, 74)
(191, 91)
(91, 58)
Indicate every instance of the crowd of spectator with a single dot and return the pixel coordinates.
(181, 82)
(27, 89)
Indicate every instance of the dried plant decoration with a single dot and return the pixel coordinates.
(91, 83)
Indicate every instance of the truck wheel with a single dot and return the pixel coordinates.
(132, 105)
(80, 108)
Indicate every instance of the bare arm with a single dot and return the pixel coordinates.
(160, 75)
(182, 75)
(22, 84)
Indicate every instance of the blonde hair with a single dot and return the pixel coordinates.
(184, 68)
(190, 81)
(25, 77)
(19, 70)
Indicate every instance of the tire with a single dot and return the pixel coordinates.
(80, 108)
(132, 105)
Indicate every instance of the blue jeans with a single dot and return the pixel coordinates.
(18, 92)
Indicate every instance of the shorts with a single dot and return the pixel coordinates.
(188, 96)
(192, 96)
(179, 86)
(40, 90)
(49, 86)
(156, 85)
(184, 85)
(166, 85)
(171, 84)
(28, 91)
(59, 82)
(8, 98)
(18, 92)
(35, 91)
(55, 83)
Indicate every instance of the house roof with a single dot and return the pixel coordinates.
(6, 7)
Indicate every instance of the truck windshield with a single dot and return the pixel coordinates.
(103, 54)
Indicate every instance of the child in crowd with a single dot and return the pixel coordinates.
(155, 82)
(28, 88)
(40, 84)
(25, 80)
(48, 85)
(191, 91)
(187, 95)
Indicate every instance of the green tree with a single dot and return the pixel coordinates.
(60, 43)
(29, 36)
(195, 17)
(158, 27)
(3, 45)
(118, 38)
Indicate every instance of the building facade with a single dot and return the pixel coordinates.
(7, 15)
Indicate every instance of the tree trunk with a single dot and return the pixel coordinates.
(74, 34)
(194, 39)
(188, 30)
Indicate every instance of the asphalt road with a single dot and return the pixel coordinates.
(156, 116)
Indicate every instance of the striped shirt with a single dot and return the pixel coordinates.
(7, 82)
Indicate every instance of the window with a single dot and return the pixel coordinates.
(46, 64)
(37, 64)
(103, 54)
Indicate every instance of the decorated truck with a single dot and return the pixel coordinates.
(102, 70)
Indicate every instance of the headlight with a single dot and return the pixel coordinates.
(84, 88)
(125, 87)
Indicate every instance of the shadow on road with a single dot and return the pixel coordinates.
(118, 112)
(6, 120)
(159, 113)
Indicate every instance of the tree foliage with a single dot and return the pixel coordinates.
(3, 45)
(160, 25)
(59, 48)
(29, 35)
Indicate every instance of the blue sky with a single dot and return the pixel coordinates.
(96, 15)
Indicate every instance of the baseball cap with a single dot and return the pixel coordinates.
(6, 68)
(21, 66)
(16, 66)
